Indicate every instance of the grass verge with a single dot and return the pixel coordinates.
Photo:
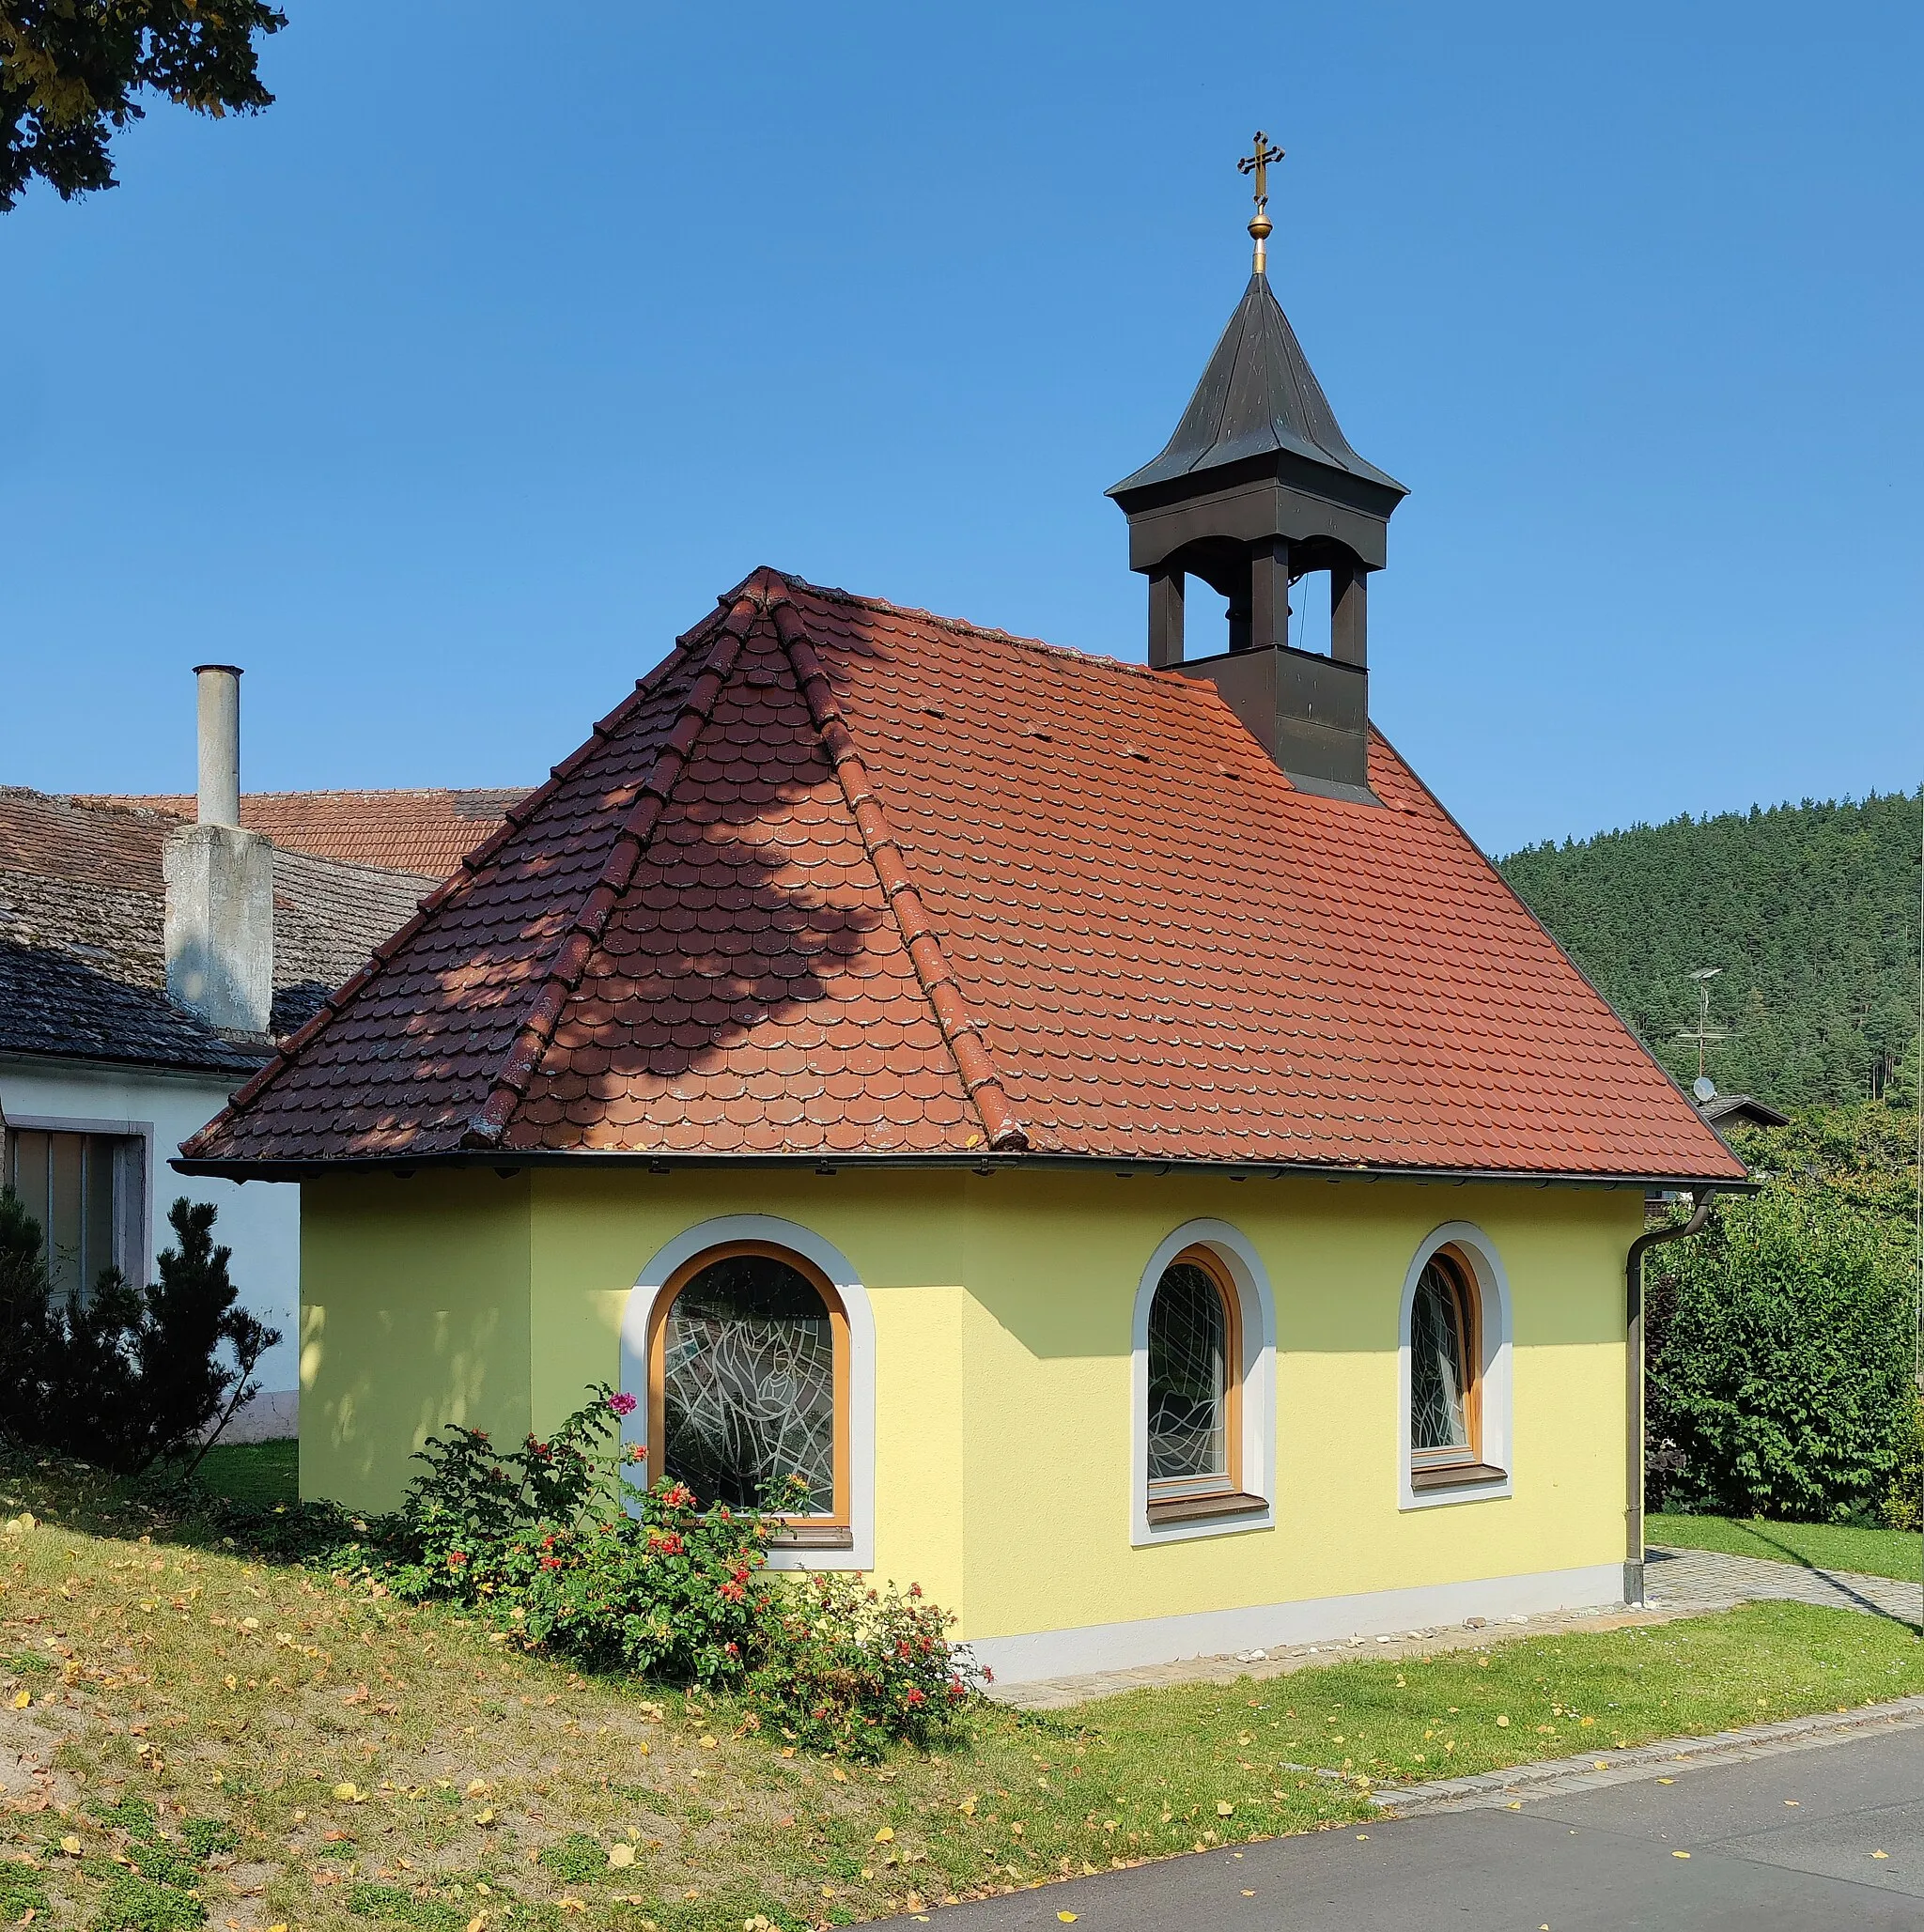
(256, 1474)
(185, 1730)
(1812, 1545)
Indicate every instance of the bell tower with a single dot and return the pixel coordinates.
(1257, 490)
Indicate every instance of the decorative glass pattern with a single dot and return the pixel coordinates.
(748, 1384)
(1188, 1342)
(1439, 1414)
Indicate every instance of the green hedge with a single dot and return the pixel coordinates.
(1782, 1349)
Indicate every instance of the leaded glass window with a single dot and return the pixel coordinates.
(1441, 1330)
(1188, 1380)
(748, 1384)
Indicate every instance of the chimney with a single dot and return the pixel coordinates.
(220, 880)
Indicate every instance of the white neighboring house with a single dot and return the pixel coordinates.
(147, 964)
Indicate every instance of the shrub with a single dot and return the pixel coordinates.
(125, 1376)
(848, 1669)
(1780, 1375)
(553, 1539)
(1903, 1502)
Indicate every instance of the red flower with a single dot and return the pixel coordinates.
(455, 1559)
(916, 1696)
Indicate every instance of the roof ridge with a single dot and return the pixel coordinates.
(980, 1081)
(1097, 659)
(337, 1001)
(570, 957)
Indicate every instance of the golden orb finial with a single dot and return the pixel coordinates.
(1260, 229)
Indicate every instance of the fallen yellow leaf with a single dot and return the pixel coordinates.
(1680, 1854)
(887, 1832)
(1224, 1808)
(478, 1921)
(347, 1794)
(21, 1699)
(1067, 1918)
(708, 1743)
(71, 1845)
(621, 1856)
(477, 1787)
(483, 1818)
(1503, 1723)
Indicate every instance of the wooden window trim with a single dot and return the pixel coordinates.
(1437, 1469)
(1174, 1499)
(833, 1531)
(1452, 1475)
(1214, 1504)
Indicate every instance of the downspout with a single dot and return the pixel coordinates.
(1633, 1355)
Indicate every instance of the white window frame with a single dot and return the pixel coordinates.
(1256, 1309)
(639, 1315)
(1479, 1255)
(133, 1215)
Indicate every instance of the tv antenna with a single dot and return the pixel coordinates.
(1704, 1033)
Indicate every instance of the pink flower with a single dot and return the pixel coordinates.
(623, 1404)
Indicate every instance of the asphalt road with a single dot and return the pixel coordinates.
(1783, 1842)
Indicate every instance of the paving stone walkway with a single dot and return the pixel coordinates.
(1679, 1582)
(1698, 1580)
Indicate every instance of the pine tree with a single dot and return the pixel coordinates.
(124, 1377)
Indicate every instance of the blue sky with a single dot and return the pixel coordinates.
(443, 395)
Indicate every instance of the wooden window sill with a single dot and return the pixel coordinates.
(812, 1536)
(1455, 1475)
(1195, 1509)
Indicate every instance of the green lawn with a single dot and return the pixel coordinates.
(1816, 1545)
(256, 1474)
(374, 1763)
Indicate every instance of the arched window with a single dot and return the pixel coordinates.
(1195, 1431)
(748, 1382)
(1446, 1355)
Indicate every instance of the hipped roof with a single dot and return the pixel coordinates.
(843, 880)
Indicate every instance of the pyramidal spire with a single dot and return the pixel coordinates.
(1257, 488)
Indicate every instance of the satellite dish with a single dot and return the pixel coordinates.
(1705, 1090)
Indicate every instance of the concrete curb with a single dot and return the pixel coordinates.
(1491, 1790)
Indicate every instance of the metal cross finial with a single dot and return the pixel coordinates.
(1258, 164)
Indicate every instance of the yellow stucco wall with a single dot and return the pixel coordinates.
(1003, 1309)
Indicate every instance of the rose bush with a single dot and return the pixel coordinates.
(845, 1668)
(557, 1541)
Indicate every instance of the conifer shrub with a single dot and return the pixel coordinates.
(123, 1377)
(1781, 1359)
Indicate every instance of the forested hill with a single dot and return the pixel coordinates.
(1811, 910)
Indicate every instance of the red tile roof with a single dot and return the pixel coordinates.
(419, 831)
(840, 879)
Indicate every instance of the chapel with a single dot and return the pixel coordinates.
(1102, 1125)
